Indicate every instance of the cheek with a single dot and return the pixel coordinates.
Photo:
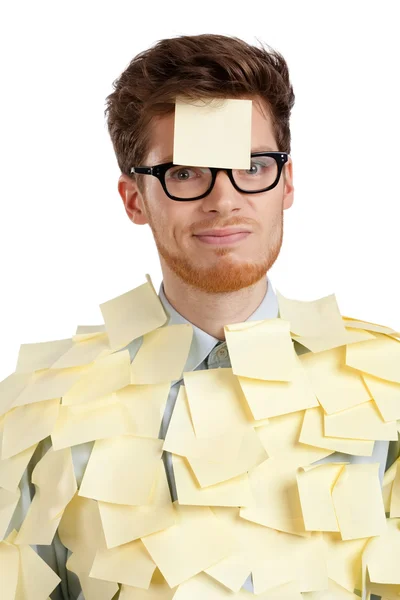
(177, 219)
(166, 223)
(271, 220)
(156, 206)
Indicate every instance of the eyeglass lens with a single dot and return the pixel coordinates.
(188, 182)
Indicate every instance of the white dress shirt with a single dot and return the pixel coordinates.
(206, 352)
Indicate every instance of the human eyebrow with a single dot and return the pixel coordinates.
(263, 149)
(166, 159)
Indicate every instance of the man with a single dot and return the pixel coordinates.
(219, 278)
(217, 238)
(208, 280)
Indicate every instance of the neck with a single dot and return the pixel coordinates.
(210, 312)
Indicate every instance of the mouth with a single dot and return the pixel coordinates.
(223, 240)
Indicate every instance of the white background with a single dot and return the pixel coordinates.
(66, 243)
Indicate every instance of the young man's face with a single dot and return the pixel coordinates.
(209, 267)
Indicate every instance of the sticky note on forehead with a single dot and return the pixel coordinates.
(214, 133)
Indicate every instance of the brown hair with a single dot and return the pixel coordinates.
(199, 66)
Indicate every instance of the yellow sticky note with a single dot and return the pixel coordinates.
(196, 541)
(108, 476)
(122, 523)
(129, 564)
(252, 544)
(358, 502)
(8, 504)
(9, 561)
(314, 318)
(11, 387)
(379, 357)
(281, 436)
(42, 355)
(145, 405)
(55, 483)
(315, 486)
(362, 422)
(85, 332)
(275, 325)
(273, 398)
(84, 352)
(181, 438)
(344, 560)
(92, 588)
(234, 492)
(318, 324)
(101, 418)
(36, 580)
(231, 572)
(333, 592)
(132, 314)
(383, 555)
(336, 385)
(297, 559)
(276, 501)
(367, 325)
(81, 532)
(259, 422)
(213, 133)
(12, 469)
(27, 425)
(330, 340)
(10, 539)
(262, 351)
(281, 433)
(104, 376)
(386, 395)
(158, 590)
(271, 573)
(48, 384)
(201, 586)
(251, 454)
(312, 569)
(215, 392)
(162, 356)
(312, 433)
(287, 591)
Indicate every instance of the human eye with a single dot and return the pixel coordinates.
(259, 165)
(181, 173)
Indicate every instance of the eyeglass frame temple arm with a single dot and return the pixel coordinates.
(149, 170)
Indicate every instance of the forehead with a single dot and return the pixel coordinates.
(162, 134)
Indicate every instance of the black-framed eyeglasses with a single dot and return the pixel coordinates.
(184, 183)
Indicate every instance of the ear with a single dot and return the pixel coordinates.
(133, 200)
(288, 194)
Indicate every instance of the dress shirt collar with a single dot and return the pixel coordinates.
(202, 342)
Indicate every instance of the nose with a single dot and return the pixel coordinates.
(223, 197)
